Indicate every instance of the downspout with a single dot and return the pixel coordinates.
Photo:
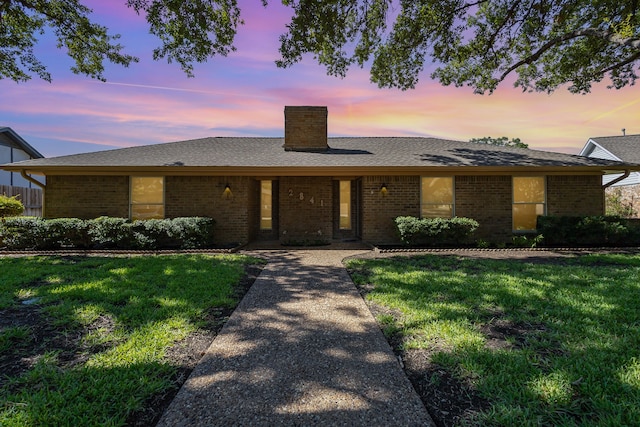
(626, 174)
(32, 180)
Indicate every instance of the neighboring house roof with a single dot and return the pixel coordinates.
(20, 143)
(264, 156)
(624, 148)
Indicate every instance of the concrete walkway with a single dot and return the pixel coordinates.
(301, 349)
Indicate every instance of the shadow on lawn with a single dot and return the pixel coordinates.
(80, 301)
(561, 350)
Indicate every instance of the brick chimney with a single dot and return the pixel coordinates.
(305, 128)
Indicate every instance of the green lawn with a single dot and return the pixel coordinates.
(127, 311)
(573, 357)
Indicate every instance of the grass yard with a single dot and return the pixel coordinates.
(91, 341)
(553, 343)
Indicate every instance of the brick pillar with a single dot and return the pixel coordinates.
(305, 128)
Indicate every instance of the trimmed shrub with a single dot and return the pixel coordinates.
(67, 232)
(22, 232)
(10, 206)
(435, 231)
(588, 231)
(106, 233)
(193, 232)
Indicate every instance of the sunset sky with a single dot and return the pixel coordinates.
(245, 94)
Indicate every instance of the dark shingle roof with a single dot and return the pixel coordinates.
(626, 148)
(365, 152)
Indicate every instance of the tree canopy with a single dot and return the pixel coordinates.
(502, 141)
(538, 45)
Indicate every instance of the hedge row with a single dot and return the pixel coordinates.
(588, 231)
(552, 231)
(435, 231)
(105, 233)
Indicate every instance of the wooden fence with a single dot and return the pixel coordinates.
(31, 198)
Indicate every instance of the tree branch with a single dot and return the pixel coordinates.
(468, 5)
(629, 60)
(510, 14)
(587, 32)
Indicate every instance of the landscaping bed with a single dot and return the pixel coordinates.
(108, 341)
(513, 337)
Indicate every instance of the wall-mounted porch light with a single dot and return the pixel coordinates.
(383, 189)
(227, 194)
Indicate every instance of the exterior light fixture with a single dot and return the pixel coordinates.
(383, 189)
(226, 194)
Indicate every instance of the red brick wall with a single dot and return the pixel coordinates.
(487, 199)
(306, 213)
(86, 196)
(575, 195)
(378, 211)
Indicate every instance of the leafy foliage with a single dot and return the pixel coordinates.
(106, 232)
(546, 44)
(616, 205)
(435, 231)
(86, 42)
(10, 206)
(503, 141)
(588, 231)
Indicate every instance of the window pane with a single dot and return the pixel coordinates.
(146, 189)
(525, 215)
(528, 189)
(266, 206)
(345, 205)
(147, 211)
(437, 190)
(437, 211)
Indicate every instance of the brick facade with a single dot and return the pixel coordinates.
(94, 196)
(305, 128)
(304, 207)
(86, 197)
(379, 211)
(575, 195)
(203, 196)
(487, 199)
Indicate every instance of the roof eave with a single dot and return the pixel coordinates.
(20, 142)
(318, 170)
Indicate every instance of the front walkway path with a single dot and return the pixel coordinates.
(300, 349)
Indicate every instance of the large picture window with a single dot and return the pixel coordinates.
(529, 201)
(266, 205)
(437, 199)
(147, 197)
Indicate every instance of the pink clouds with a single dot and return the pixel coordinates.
(245, 94)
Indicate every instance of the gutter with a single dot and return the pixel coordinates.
(32, 179)
(625, 175)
